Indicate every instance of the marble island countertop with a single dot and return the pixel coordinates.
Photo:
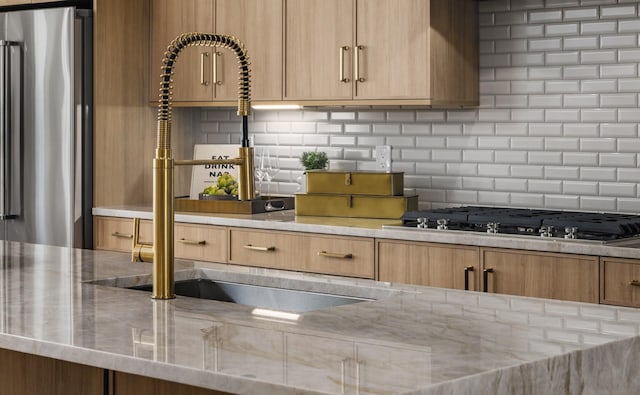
(64, 303)
(287, 221)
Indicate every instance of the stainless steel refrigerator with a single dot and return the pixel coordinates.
(46, 126)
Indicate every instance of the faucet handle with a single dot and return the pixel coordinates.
(140, 252)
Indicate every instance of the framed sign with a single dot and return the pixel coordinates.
(207, 175)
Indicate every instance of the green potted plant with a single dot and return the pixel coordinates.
(312, 160)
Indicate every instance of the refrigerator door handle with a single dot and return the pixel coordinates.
(10, 130)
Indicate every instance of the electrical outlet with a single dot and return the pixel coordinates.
(383, 157)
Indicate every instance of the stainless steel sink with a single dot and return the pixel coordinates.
(257, 295)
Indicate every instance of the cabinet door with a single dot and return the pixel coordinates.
(541, 275)
(620, 282)
(393, 45)
(258, 24)
(316, 32)
(192, 72)
(318, 363)
(14, 2)
(429, 264)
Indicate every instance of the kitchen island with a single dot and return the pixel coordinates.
(68, 305)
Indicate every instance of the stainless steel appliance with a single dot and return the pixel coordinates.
(594, 227)
(46, 126)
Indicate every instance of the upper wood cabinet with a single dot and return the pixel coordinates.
(395, 51)
(204, 74)
(540, 275)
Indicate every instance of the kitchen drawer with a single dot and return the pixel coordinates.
(201, 242)
(116, 234)
(344, 256)
(620, 282)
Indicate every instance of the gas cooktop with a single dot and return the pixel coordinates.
(603, 228)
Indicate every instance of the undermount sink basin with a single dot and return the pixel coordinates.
(257, 295)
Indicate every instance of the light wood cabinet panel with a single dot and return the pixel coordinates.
(116, 234)
(14, 2)
(620, 282)
(27, 374)
(394, 51)
(258, 24)
(192, 77)
(344, 256)
(197, 242)
(394, 62)
(201, 242)
(541, 275)
(316, 30)
(435, 265)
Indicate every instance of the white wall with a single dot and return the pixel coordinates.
(556, 128)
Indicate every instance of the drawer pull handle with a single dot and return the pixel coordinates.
(193, 242)
(485, 274)
(466, 277)
(122, 235)
(259, 248)
(634, 283)
(335, 255)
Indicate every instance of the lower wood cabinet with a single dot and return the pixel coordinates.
(436, 265)
(192, 241)
(343, 256)
(126, 384)
(27, 374)
(620, 281)
(539, 274)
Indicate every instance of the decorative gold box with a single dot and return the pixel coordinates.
(354, 206)
(355, 182)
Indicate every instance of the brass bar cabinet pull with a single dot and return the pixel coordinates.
(259, 248)
(335, 255)
(122, 235)
(203, 75)
(193, 242)
(216, 81)
(634, 283)
(485, 279)
(466, 277)
(356, 68)
(343, 49)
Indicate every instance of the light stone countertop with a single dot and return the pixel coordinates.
(411, 340)
(287, 221)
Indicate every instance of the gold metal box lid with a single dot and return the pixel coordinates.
(355, 182)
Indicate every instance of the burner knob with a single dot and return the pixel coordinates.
(423, 223)
(571, 232)
(443, 224)
(492, 227)
(546, 231)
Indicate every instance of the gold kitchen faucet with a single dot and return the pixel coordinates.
(162, 249)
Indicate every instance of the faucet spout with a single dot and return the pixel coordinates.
(163, 163)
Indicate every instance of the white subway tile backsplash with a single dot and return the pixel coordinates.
(580, 188)
(598, 27)
(619, 41)
(597, 174)
(598, 57)
(545, 16)
(557, 124)
(510, 184)
(616, 189)
(581, 130)
(618, 100)
(623, 11)
(561, 58)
